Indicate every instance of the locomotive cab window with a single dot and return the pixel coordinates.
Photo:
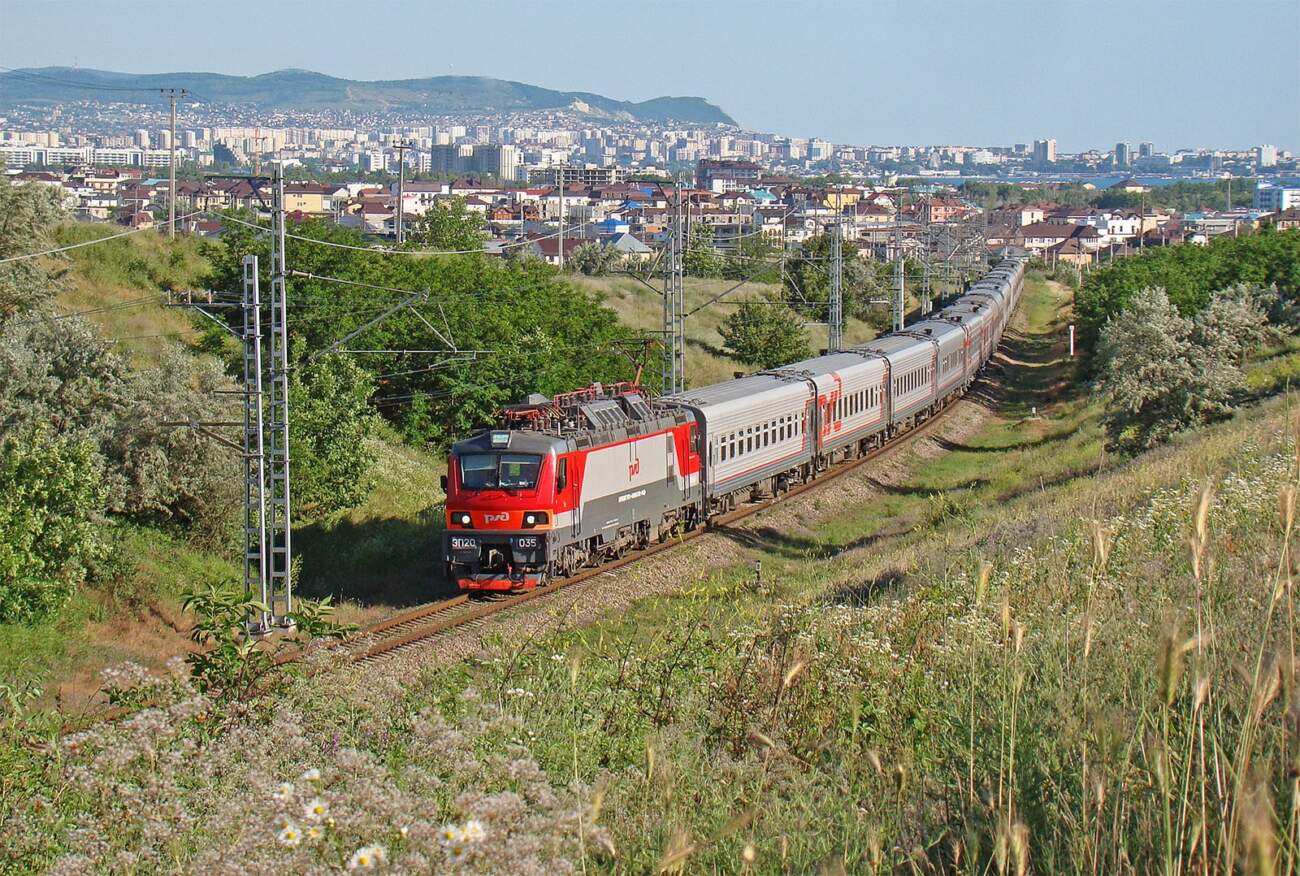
(499, 471)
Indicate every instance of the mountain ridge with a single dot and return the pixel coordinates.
(293, 89)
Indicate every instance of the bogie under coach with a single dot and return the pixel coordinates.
(581, 478)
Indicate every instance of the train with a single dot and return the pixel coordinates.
(581, 478)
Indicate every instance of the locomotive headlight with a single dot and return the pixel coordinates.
(461, 518)
(532, 518)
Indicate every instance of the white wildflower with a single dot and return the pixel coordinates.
(366, 858)
(312, 775)
(289, 835)
(473, 831)
(449, 834)
(456, 852)
(316, 809)
(283, 792)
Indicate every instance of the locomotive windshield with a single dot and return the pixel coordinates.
(499, 471)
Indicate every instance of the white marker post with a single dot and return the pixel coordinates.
(1071, 342)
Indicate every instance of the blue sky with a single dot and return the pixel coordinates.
(1089, 72)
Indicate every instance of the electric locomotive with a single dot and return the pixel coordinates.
(565, 482)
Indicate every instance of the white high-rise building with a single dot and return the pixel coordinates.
(1266, 155)
(1275, 198)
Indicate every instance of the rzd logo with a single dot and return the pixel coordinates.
(503, 517)
(633, 469)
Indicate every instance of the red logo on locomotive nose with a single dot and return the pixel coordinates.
(633, 469)
(503, 517)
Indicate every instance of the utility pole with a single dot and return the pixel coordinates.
(900, 299)
(559, 190)
(279, 508)
(256, 581)
(401, 148)
(834, 335)
(674, 362)
(171, 190)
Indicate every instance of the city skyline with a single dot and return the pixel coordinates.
(849, 73)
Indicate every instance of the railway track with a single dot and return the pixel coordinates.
(410, 629)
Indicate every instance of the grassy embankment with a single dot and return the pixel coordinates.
(1025, 654)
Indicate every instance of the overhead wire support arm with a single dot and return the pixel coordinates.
(368, 325)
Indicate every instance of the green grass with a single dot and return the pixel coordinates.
(385, 552)
(137, 620)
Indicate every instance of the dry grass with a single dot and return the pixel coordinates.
(127, 270)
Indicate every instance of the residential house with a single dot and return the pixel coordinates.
(629, 247)
(1286, 220)
(1040, 236)
(312, 198)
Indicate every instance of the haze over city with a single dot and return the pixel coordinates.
(1193, 74)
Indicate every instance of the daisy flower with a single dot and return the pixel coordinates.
(314, 833)
(316, 809)
(473, 831)
(366, 858)
(457, 852)
(312, 775)
(289, 835)
(449, 834)
(283, 791)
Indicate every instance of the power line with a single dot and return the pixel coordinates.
(33, 255)
(134, 302)
(92, 86)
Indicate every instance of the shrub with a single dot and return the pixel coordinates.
(1190, 275)
(1162, 372)
(765, 334)
(594, 260)
(30, 211)
(51, 496)
(58, 374)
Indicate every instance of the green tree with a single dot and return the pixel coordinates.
(593, 260)
(807, 277)
(478, 302)
(449, 225)
(1190, 275)
(700, 258)
(51, 500)
(765, 334)
(1162, 372)
(28, 214)
(330, 420)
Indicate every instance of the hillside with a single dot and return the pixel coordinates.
(641, 307)
(307, 91)
(978, 654)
